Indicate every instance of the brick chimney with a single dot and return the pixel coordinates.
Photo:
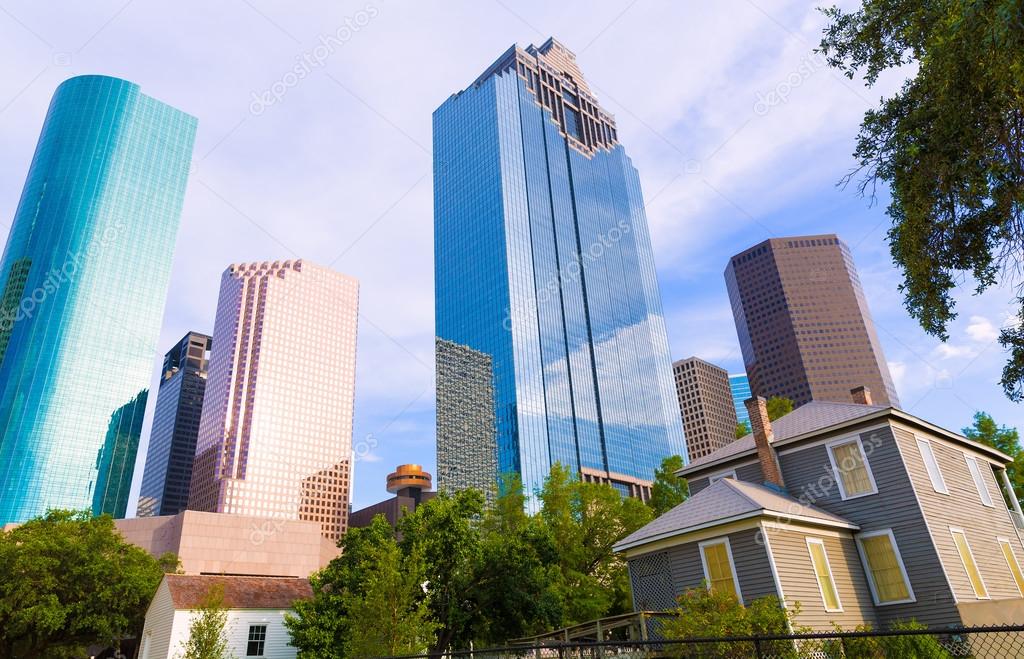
(861, 396)
(761, 426)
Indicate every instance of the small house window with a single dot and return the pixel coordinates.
(719, 568)
(850, 465)
(887, 575)
(979, 481)
(257, 641)
(932, 466)
(970, 566)
(1011, 562)
(823, 572)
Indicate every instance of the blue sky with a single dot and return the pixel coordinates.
(738, 131)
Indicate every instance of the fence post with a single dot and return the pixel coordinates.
(842, 645)
(643, 627)
(757, 647)
(600, 639)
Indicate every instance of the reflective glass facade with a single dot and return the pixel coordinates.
(172, 439)
(543, 261)
(740, 386)
(84, 279)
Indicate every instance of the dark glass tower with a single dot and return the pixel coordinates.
(803, 322)
(172, 440)
(84, 280)
(543, 261)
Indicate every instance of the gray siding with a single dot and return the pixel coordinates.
(697, 484)
(808, 476)
(799, 583)
(753, 570)
(750, 473)
(962, 508)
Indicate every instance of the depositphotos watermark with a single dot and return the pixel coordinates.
(809, 65)
(571, 272)
(56, 278)
(306, 63)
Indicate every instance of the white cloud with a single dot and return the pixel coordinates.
(953, 351)
(982, 330)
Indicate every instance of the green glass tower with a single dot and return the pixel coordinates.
(84, 277)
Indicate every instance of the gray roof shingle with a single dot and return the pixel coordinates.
(726, 499)
(804, 419)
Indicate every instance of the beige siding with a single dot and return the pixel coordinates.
(962, 508)
(796, 574)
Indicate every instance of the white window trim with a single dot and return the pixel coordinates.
(1002, 540)
(937, 479)
(728, 473)
(979, 481)
(953, 530)
(839, 476)
(831, 575)
(871, 577)
(724, 540)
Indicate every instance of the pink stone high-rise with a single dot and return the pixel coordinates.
(275, 438)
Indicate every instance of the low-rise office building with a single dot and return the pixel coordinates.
(218, 543)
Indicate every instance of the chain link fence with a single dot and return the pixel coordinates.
(976, 642)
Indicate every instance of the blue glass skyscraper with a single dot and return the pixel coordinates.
(740, 387)
(84, 278)
(543, 261)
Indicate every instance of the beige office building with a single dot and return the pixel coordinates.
(705, 402)
(275, 439)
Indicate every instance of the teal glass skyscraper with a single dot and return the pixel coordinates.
(84, 278)
(544, 262)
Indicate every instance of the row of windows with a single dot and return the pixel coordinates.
(883, 563)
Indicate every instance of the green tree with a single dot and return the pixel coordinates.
(320, 626)
(950, 146)
(778, 407)
(69, 580)
(703, 613)
(206, 633)
(742, 429)
(1003, 439)
(668, 490)
(586, 520)
(391, 616)
(458, 575)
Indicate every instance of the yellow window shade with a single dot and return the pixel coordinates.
(824, 575)
(1011, 561)
(885, 569)
(853, 472)
(720, 576)
(960, 540)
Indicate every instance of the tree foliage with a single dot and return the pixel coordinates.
(950, 146)
(704, 613)
(778, 407)
(207, 638)
(462, 573)
(668, 490)
(67, 581)
(586, 520)
(1003, 439)
(391, 616)
(742, 429)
